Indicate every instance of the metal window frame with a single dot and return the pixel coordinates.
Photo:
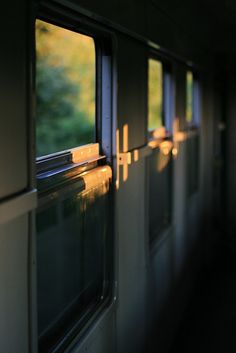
(167, 99)
(105, 46)
(195, 123)
(163, 136)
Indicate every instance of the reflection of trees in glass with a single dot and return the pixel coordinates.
(155, 94)
(189, 97)
(65, 89)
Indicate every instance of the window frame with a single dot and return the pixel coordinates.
(165, 130)
(157, 143)
(63, 24)
(195, 122)
(104, 41)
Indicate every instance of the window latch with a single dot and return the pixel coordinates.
(125, 158)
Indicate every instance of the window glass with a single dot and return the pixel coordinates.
(73, 217)
(72, 236)
(155, 94)
(189, 97)
(65, 89)
(160, 192)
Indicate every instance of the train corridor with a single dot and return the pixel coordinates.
(118, 173)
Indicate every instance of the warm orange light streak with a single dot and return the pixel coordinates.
(136, 155)
(154, 143)
(174, 151)
(165, 147)
(178, 135)
(125, 172)
(159, 133)
(95, 178)
(162, 161)
(85, 153)
(164, 155)
(125, 149)
(125, 138)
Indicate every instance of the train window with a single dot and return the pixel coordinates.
(189, 97)
(155, 94)
(73, 273)
(160, 106)
(65, 89)
(73, 230)
(160, 190)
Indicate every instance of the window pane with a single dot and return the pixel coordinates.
(160, 181)
(72, 236)
(65, 89)
(155, 94)
(189, 97)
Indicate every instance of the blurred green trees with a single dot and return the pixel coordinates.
(155, 94)
(189, 96)
(65, 89)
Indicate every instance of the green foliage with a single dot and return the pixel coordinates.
(54, 92)
(60, 123)
(155, 94)
(189, 96)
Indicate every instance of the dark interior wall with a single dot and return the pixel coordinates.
(131, 92)
(166, 23)
(172, 25)
(13, 140)
(224, 152)
(130, 14)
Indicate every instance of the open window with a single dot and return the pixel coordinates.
(189, 97)
(73, 220)
(155, 95)
(160, 100)
(192, 100)
(65, 89)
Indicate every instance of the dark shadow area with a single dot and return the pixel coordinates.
(208, 325)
